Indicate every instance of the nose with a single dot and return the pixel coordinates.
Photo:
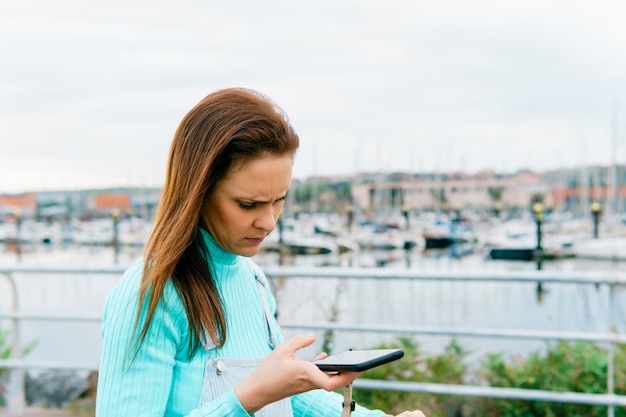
(267, 219)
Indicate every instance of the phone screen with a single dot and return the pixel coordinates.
(358, 360)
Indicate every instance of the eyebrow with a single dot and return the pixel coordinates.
(252, 200)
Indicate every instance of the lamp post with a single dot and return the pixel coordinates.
(279, 223)
(457, 214)
(296, 211)
(115, 216)
(406, 210)
(538, 211)
(18, 226)
(596, 211)
(349, 216)
(497, 209)
(18, 234)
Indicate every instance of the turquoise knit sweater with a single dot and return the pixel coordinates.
(165, 379)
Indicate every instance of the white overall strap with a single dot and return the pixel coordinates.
(272, 333)
(348, 402)
(272, 338)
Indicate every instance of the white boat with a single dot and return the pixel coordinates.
(95, 232)
(605, 249)
(299, 238)
(7, 232)
(369, 239)
(299, 244)
(517, 240)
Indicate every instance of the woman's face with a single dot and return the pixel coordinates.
(243, 207)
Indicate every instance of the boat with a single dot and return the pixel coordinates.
(604, 249)
(517, 241)
(444, 234)
(377, 237)
(297, 238)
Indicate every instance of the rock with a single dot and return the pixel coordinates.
(55, 389)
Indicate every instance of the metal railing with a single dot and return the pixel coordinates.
(18, 365)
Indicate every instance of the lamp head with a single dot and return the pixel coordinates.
(538, 210)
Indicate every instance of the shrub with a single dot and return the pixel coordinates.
(445, 368)
(575, 367)
(562, 367)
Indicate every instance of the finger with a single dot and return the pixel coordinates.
(320, 356)
(351, 375)
(331, 382)
(297, 342)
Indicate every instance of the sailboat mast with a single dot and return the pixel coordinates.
(612, 195)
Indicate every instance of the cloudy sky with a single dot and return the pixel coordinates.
(91, 92)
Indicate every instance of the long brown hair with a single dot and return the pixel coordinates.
(227, 127)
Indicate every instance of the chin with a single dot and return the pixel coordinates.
(249, 252)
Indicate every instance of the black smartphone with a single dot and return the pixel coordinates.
(358, 360)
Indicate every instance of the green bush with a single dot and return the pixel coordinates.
(575, 367)
(563, 367)
(447, 368)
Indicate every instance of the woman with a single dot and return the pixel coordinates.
(191, 331)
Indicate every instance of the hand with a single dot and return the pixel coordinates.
(282, 374)
(414, 413)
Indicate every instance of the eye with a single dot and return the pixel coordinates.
(246, 206)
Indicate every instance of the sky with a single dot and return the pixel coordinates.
(92, 92)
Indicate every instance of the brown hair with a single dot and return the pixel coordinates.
(226, 128)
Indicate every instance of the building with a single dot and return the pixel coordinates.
(23, 205)
(106, 204)
(50, 206)
(482, 190)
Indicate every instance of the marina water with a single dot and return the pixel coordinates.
(445, 304)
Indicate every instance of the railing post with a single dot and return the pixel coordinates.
(611, 376)
(16, 401)
(611, 352)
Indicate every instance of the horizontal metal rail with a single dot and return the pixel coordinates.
(559, 277)
(596, 337)
(52, 316)
(563, 277)
(18, 365)
(58, 365)
(493, 392)
(65, 270)
(467, 332)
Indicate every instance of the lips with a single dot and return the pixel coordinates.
(255, 239)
